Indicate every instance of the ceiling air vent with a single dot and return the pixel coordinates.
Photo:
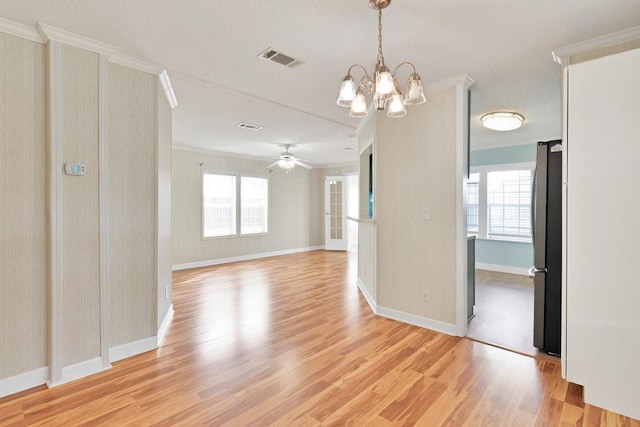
(249, 126)
(279, 57)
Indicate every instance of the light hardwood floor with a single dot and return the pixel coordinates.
(290, 341)
(504, 312)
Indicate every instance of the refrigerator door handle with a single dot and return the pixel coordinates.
(533, 208)
(533, 270)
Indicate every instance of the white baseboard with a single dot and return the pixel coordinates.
(210, 262)
(412, 319)
(133, 348)
(503, 268)
(24, 381)
(367, 296)
(164, 325)
(401, 316)
(80, 370)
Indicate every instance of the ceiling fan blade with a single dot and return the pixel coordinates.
(303, 164)
(273, 164)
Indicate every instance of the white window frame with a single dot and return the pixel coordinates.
(238, 225)
(482, 205)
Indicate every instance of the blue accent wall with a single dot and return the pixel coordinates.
(498, 252)
(497, 156)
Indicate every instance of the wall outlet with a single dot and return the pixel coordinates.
(166, 292)
(426, 294)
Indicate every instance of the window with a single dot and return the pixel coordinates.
(219, 205)
(228, 200)
(509, 204)
(254, 205)
(499, 202)
(473, 202)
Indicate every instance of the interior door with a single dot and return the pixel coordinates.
(335, 210)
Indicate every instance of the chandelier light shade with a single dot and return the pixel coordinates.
(347, 92)
(396, 107)
(502, 121)
(358, 106)
(415, 93)
(384, 85)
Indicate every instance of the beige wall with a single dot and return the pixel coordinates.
(293, 212)
(415, 169)
(23, 268)
(131, 202)
(57, 240)
(417, 164)
(79, 242)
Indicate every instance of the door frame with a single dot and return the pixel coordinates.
(335, 244)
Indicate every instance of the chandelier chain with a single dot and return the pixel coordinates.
(380, 54)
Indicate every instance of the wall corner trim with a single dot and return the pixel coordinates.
(462, 79)
(367, 296)
(162, 330)
(48, 32)
(168, 89)
(79, 370)
(608, 40)
(132, 349)
(207, 263)
(19, 30)
(24, 381)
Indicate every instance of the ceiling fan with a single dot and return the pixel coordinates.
(288, 161)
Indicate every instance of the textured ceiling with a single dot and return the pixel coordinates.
(210, 49)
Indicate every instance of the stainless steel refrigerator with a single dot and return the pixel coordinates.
(546, 215)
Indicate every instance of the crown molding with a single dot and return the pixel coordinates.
(462, 79)
(136, 64)
(608, 40)
(353, 164)
(48, 32)
(249, 157)
(19, 30)
(168, 89)
(200, 150)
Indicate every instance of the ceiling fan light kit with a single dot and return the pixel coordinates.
(384, 86)
(502, 121)
(288, 161)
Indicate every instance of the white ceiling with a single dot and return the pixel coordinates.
(210, 49)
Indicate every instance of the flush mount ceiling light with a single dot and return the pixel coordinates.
(384, 85)
(502, 121)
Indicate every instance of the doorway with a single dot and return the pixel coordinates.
(335, 210)
(352, 212)
(503, 312)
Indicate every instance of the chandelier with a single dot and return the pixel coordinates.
(384, 86)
